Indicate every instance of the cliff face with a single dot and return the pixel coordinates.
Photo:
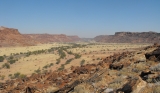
(130, 37)
(12, 37)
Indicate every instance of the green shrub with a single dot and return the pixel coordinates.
(68, 61)
(6, 65)
(12, 61)
(22, 76)
(58, 61)
(77, 56)
(2, 77)
(16, 75)
(51, 64)
(11, 57)
(82, 62)
(48, 65)
(38, 70)
(70, 52)
(1, 58)
(10, 75)
(62, 67)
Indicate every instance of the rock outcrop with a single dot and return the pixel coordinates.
(12, 37)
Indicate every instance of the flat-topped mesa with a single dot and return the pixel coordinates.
(130, 37)
(134, 33)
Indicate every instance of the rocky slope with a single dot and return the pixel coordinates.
(130, 37)
(136, 72)
(12, 37)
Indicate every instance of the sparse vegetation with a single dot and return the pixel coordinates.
(6, 65)
(82, 62)
(2, 77)
(48, 66)
(62, 67)
(1, 58)
(68, 61)
(12, 61)
(77, 56)
(63, 57)
(58, 61)
(37, 71)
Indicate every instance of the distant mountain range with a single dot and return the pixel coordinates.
(12, 37)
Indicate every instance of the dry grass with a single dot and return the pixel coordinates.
(89, 53)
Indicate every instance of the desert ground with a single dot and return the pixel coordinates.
(20, 62)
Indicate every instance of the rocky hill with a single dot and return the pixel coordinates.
(12, 37)
(130, 37)
(128, 72)
(47, 38)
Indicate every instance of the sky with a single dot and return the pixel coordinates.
(85, 18)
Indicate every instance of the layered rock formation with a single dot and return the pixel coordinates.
(130, 37)
(12, 37)
(129, 72)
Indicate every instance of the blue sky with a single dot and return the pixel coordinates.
(85, 18)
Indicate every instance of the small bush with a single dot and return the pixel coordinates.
(51, 64)
(16, 75)
(98, 58)
(11, 57)
(68, 61)
(46, 66)
(22, 76)
(10, 75)
(77, 56)
(12, 61)
(82, 62)
(62, 67)
(38, 70)
(1, 58)
(6, 65)
(58, 61)
(2, 77)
